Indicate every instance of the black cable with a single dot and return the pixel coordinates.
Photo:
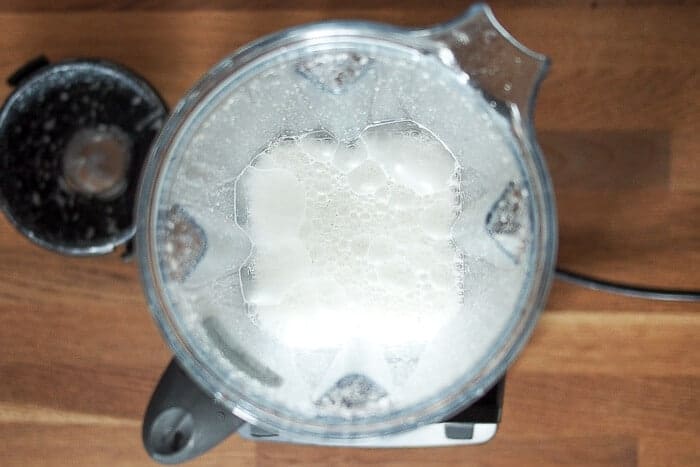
(650, 293)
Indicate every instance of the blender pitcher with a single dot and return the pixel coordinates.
(346, 230)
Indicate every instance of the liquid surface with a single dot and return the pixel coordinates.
(362, 264)
(352, 239)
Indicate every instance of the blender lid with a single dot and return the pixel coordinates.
(342, 235)
(73, 139)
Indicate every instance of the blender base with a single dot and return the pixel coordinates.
(433, 435)
(476, 424)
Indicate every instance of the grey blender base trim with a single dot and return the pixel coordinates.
(476, 424)
(433, 435)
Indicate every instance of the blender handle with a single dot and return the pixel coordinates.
(182, 421)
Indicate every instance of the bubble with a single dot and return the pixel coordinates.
(340, 266)
(264, 214)
(367, 178)
(320, 145)
(349, 156)
(361, 214)
(411, 156)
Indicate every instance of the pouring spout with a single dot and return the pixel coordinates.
(491, 57)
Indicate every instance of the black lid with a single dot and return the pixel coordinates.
(73, 138)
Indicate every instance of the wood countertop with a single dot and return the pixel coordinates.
(605, 380)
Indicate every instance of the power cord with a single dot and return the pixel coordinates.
(650, 293)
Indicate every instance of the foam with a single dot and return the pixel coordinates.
(335, 240)
(332, 202)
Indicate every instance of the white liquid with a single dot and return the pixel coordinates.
(352, 240)
(364, 259)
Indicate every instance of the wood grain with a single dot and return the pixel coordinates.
(605, 380)
(132, 5)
